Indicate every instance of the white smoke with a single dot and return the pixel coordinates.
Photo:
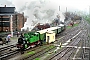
(5, 2)
(37, 11)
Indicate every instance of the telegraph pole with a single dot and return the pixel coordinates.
(59, 8)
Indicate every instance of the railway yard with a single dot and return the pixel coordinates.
(71, 44)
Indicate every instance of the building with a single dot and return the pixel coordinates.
(18, 21)
(6, 24)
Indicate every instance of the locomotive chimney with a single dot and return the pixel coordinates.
(5, 6)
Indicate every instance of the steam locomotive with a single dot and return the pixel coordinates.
(31, 39)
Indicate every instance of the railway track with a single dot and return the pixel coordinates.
(34, 49)
(6, 55)
(38, 53)
(68, 56)
(74, 32)
(64, 51)
(68, 48)
(68, 33)
(77, 31)
(86, 41)
(7, 51)
(79, 42)
(61, 54)
(7, 47)
(67, 37)
(83, 53)
(69, 51)
(75, 45)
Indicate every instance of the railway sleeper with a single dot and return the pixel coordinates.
(7, 55)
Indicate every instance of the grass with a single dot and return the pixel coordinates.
(37, 58)
(75, 25)
(51, 47)
(87, 19)
(26, 54)
(68, 27)
(88, 35)
(32, 52)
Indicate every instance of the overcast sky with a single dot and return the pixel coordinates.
(82, 5)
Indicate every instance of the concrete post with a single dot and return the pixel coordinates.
(11, 27)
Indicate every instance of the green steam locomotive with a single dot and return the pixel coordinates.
(31, 39)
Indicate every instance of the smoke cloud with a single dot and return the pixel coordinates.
(5, 2)
(37, 11)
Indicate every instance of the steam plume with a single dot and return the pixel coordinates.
(37, 11)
